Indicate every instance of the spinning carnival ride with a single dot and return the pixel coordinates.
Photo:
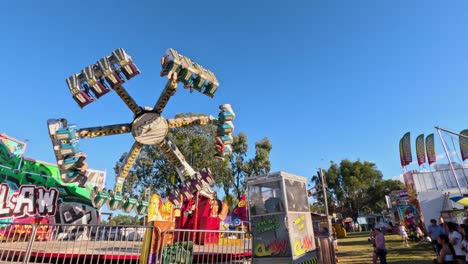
(148, 127)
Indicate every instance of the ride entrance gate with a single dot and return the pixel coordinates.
(281, 222)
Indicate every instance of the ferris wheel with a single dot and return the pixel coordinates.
(148, 127)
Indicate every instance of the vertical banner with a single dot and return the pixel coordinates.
(420, 151)
(402, 155)
(430, 149)
(464, 144)
(407, 148)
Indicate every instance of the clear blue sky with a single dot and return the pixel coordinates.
(324, 80)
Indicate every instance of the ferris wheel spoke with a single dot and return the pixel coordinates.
(169, 90)
(191, 121)
(128, 100)
(92, 132)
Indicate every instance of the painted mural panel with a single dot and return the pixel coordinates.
(408, 214)
(32, 191)
(14, 147)
(301, 234)
(270, 236)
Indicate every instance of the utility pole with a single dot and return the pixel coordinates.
(324, 189)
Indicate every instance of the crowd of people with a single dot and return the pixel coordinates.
(449, 241)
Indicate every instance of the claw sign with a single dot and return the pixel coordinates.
(276, 247)
(301, 246)
(29, 200)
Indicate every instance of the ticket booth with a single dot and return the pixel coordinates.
(280, 217)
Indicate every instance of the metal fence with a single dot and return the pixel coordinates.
(103, 244)
(205, 246)
(26, 243)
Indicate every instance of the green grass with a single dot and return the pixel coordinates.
(356, 249)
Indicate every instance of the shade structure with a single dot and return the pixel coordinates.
(463, 200)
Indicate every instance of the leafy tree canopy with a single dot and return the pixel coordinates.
(354, 188)
(123, 220)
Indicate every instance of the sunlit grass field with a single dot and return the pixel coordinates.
(356, 249)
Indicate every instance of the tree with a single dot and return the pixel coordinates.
(242, 168)
(124, 220)
(355, 187)
(260, 164)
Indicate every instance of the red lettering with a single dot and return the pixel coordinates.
(307, 243)
(277, 247)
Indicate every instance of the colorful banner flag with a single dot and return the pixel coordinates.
(402, 155)
(430, 149)
(464, 144)
(420, 151)
(407, 148)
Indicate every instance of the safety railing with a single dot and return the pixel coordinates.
(205, 246)
(61, 243)
(102, 244)
(15, 240)
(50, 243)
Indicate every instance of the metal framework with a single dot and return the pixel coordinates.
(148, 126)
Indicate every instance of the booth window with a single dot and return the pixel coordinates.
(297, 196)
(266, 198)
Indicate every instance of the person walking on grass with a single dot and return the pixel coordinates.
(434, 231)
(371, 239)
(403, 234)
(380, 250)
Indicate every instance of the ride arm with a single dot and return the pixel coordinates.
(126, 166)
(175, 157)
(128, 100)
(191, 181)
(92, 132)
(191, 121)
(169, 90)
(115, 82)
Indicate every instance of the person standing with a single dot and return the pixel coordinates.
(456, 239)
(380, 249)
(446, 253)
(403, 234)
(464, 244)
(434, 231)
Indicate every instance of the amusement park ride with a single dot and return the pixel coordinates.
(148, 126)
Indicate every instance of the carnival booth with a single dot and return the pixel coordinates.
(281, 222)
